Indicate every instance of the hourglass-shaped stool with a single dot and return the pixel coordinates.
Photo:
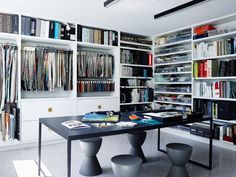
(136, 140)
(179, 154)
(90, 165)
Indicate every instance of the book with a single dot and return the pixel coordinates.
(75, 124)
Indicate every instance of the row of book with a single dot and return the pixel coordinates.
(217, 109)
(216, 89)
(8, 74)
(95, 65)
(136, 95)
(9, 123)
(213, 68)
(9, 23)
(97, 36)
(48, 29)
(135, 57)
(136, 71)
(175, 37)
(46, 68)
(96, 86)
(215, 48)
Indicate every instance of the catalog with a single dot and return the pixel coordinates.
(75, 124)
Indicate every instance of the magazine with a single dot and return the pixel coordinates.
(75, 124)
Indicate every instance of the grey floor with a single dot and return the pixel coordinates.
(158, 165)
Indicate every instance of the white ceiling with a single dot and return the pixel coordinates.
(135, 16)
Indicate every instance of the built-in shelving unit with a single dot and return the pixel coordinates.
(172, 70)
(136, 89)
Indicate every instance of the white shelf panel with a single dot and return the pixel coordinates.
(215, 57)
(173, 93)
(216, 37)
(176, 103)
(93, 45)
(136, 65)
(8, 36)
(134, 87)
(45, 99)
(37, 40)
(172, 83)
(225, 121)
(173, 43)
(135, 43)
(131, 48)
(173, 53)
(187, 135)
(170, 73)
(133, 77)
(173, 63)
(219, 99)
(123, 104)
(98, 97)
(216, 78)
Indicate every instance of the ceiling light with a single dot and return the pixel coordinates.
(177, 8)
(108, 3)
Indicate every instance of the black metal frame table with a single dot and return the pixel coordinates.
(55, 125)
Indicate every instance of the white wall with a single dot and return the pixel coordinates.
(126, 15)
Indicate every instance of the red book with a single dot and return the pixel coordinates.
(201, 70)
(203, 29)
(150, 59)
(205, 68)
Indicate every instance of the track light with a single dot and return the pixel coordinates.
(108, 3)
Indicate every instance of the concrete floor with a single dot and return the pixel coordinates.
(158, 164)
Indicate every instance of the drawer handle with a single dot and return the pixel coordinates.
(49, 109)
(99, 106)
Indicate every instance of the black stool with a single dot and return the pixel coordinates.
(179, 154)
(126, 165)
(136, 140)
(90, 165)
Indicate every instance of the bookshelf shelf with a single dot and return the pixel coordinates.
(173, 63)
(175, 73)
(132, 48)
(135, 43)
(136, 65)
(173, 93)
(96, 46)
(218, 99)
(172, 102)
(172, 83)
(8, 36)
(38, 40)
(225, 121)
(174, 43)
(216, 57)
(173, 53)
(130, 87)
(134, 77)
(135, 103)
(216, 78)
(216, 37)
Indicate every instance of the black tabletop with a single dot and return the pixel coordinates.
(54, 124)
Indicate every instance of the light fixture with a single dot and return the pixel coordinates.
(177, 8)
(108, 3)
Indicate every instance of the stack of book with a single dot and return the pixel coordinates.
(48, 29)
(9, 23)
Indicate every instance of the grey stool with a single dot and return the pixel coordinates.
(90, 165)
(136, 140)
(179, 154)
(126, 165)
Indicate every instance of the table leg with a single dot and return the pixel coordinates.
(68, 158)
(158, 139)
(39, 148)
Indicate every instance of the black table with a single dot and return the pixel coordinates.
(55, 125)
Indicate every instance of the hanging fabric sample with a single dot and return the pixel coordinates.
(46, 68)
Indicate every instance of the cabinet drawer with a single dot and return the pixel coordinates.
(97, 104)
(33, 110)
(30, 129)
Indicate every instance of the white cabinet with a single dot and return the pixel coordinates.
(97, 104)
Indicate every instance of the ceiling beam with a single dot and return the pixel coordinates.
(177, 8)
(108, 3)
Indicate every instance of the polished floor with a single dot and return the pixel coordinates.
(158, 164)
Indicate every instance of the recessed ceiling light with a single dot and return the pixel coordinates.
(108, 3)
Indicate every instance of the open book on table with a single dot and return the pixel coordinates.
(75, 124)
